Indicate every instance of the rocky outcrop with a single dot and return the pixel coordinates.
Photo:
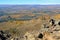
(29, 36)
(4, 36)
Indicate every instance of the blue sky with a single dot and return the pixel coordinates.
(29, 1)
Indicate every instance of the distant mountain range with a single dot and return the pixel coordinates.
(8, 9)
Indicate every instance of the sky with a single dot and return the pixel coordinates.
(44, 2)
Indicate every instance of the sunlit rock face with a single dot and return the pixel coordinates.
(29, 36)
(41, 36)
(48, 36)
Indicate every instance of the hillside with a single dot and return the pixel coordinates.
(30, 22)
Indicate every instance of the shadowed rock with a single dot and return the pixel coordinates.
(52, 22)
(59, 23)
(4, 36)
(40, 35)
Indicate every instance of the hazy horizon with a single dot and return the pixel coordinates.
(29, 2)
